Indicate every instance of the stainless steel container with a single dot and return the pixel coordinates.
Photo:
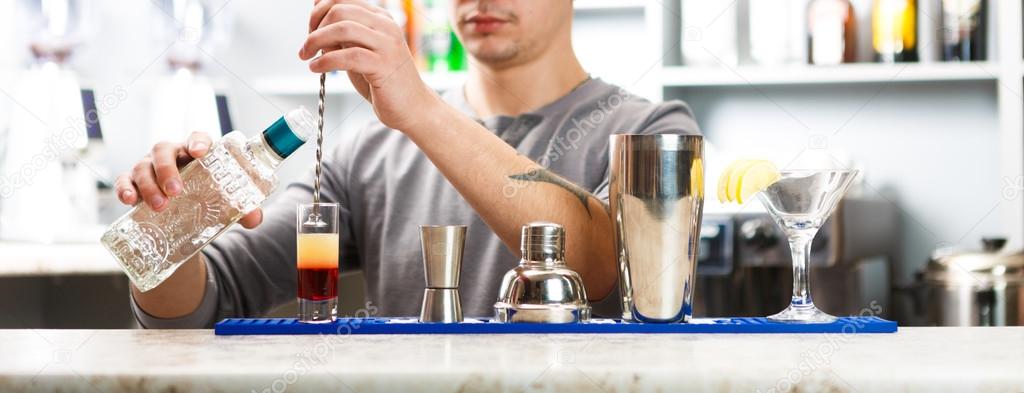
(657, 197)
(542, 289)
(442, 262)
(976, 288)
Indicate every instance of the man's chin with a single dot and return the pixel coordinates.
(493, 53)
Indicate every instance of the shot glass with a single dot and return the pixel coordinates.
(316, 246)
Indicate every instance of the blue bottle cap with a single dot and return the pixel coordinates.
(289, 132)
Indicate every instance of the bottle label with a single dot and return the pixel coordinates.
(960, 18)
(894, 26)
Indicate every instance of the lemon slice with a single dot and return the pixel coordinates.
(732, 186)
(723, 182)
(755, 178)
(725, 193)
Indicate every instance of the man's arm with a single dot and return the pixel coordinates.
(508, 190)
(362, 39)
(153, 180)
(179, 295)
(244, 272)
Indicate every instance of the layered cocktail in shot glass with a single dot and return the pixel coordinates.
(317, 262)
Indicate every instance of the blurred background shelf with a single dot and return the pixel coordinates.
(840, 74)
(683, 76)
(608, 5)
(338, 83)
(32, 259)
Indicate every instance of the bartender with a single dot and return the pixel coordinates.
(524, 139)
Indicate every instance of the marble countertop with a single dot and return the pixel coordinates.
(915, 359)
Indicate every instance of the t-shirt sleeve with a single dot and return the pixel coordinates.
(670, 117)
(250, 272)
(203, 316)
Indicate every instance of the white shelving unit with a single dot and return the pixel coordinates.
(849, 73)
(1003, 74)
(1010, 38)
(608, 5)
(28, 259)
(682, 76)
(338, 84)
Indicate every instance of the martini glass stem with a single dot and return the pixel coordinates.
(800, 247)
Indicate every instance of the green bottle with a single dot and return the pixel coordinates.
(442, 49)
(456, 55)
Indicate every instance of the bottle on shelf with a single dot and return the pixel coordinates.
(831, 32)
(964, 25)
(234, 178)
(775, 35)
(412, 27)
(894, 30)
(442, 50)
(457, 54)
(709, 33)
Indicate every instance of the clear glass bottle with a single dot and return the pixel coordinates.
(232, 179)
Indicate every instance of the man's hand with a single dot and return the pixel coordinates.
(155, 178)
(363, 40)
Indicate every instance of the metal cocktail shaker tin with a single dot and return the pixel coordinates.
(542, 289)
(657, 199)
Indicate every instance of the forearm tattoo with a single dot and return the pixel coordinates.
(544, 176)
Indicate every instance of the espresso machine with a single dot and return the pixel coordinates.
(745, 266)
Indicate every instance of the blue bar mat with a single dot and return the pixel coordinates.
(260, 326)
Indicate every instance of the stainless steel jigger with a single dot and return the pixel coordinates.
(442, 261)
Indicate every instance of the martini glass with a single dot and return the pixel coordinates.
(800, 202)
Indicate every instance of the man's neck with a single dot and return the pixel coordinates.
(519, 89)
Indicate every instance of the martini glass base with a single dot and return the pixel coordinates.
(802, 314)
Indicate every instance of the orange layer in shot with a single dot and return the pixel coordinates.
(317, 251)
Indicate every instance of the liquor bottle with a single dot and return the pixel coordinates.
(894, 30)
(775, 34)
(441, 47)
(964, 24)
(414, 31)
(456, 54)
(831, 32)
(709, 33)
(231, 180)
(436, 36)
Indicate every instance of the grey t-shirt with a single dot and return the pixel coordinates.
(387, 187)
